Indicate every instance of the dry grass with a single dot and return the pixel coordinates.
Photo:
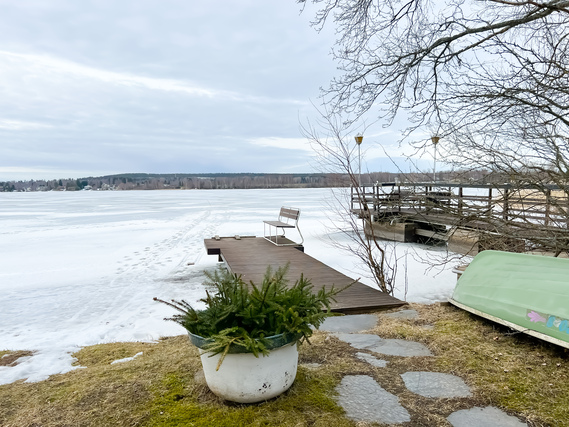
(518, 374)
(158, 388)
(10, 358)
(515, 372)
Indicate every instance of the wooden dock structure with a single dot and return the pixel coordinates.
(468, 217)
(249, 256)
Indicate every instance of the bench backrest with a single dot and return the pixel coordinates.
(289, 214)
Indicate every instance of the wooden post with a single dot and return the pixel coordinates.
(505, 206)
(547, 206)
(375, 197)
(566, 208)
(460, 201)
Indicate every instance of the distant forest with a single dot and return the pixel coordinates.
(143, 181)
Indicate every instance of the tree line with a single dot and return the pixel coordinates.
(228, 181)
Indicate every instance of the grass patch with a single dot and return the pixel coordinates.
(178, 402)
(10, 358)
(158, 388)
(104, 354)
(162, 387)
(515, 372)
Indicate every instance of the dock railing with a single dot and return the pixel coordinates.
(546, 205)
(530, 217)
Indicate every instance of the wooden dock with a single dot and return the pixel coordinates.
(250, 257)
(468, 218)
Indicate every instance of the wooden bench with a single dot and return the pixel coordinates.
(288, 218)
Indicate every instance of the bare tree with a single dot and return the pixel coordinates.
(489, 77)
(336, 155)
(496, 69)
(432, 57)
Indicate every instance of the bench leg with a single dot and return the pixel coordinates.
(274, 237)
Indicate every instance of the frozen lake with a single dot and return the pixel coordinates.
(81, 268)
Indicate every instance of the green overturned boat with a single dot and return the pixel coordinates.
(528, 293)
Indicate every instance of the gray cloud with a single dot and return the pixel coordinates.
(96, 87)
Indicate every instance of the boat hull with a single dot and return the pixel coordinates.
(528, 293)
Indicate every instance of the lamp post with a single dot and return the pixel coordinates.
(435, 140)
(359, 138)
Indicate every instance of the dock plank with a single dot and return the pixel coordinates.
(250, 257)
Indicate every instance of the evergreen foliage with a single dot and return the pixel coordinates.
(243, 317)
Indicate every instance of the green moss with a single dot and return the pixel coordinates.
(308, 402)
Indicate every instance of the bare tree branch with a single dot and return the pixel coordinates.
(336, 155)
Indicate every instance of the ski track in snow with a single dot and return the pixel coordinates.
(82, 269)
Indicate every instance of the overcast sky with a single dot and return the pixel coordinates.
(96, 87)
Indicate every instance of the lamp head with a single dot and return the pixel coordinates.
(359, 138)
(435, 139)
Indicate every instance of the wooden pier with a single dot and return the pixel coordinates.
(468, 217)
(250, 256)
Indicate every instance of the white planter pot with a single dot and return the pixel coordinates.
(244, 378)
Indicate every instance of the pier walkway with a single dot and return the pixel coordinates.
(250, 256)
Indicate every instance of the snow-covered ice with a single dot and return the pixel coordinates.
(81, 268)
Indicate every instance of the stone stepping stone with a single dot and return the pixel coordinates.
(350, 323)
(364, 399)
(489, 416)
(403, 314)
(391, 347)
(372, 360)
(436, 384)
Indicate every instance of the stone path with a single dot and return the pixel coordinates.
(436, 384)
(391, 347)
(364, 399)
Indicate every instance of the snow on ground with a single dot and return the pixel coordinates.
(81, 268)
